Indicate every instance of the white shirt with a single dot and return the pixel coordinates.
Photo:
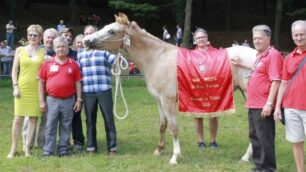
(6, 53)
(10, 28)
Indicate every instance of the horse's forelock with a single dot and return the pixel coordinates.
(122, 19)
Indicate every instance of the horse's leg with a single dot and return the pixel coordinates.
(176, 144)
(249, 152)
(162, 130)
(168, 105)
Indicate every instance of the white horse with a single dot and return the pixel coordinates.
(157, 61)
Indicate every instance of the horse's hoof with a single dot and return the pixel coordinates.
(11, 155)
(245, 158)
(156, 152)
(173, 162)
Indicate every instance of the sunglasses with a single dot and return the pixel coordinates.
(33, 35)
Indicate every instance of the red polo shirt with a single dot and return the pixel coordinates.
(60, 78)
(296, 92)
(209, 49)
(268, 69)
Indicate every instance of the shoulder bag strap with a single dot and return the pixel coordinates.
(297, 70)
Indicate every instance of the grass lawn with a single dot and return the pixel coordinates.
(138, 136)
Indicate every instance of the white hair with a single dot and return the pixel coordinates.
(299, 22)
(200, 30)
(60, 39)
(262, 28)
(52, 31)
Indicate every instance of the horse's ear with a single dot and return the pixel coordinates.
(122, 19)
(133, 27)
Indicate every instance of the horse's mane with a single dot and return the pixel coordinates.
(121, 18)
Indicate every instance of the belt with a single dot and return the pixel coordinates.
(62, 98)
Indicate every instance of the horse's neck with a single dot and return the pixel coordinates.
(146, 53)
(247, 57)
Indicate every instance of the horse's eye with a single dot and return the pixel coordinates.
(111, 32)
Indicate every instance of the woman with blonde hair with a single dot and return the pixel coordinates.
(26, 64)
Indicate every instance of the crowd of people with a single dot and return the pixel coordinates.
(53, 80)
(279, 81)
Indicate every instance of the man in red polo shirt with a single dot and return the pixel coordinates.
(59, 81)
(291, 94)
(261, 95)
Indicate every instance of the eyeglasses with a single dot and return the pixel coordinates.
(33, 35)
(201, 37)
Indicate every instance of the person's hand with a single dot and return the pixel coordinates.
(77, 106)
(277, 114)
(235, 61)
(47, 57)
(16, 92)
(266, 111)
(43, 106)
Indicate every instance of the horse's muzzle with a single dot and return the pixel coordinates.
(88, 44)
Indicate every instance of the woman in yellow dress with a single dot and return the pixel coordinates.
(26, 64)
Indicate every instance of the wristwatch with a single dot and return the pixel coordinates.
(269, 104)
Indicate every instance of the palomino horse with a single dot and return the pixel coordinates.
(157, 61)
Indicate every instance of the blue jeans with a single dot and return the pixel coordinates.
(105, 101)
(6, 67)
(10, 39)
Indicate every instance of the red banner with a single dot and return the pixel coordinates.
(205, 85)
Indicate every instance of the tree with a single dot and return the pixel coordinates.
(14, 9)
(187, 23)
(74, 9)
(138, 8)
(179, 8)
(228, 14)
(278, 22)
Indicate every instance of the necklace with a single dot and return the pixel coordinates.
(32, 51)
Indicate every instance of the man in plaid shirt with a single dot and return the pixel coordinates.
(96, 86)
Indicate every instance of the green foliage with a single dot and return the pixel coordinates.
(137, 8)
(179, 11)
(294, 9)
(298, 13)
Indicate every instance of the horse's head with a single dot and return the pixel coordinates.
(110, 37)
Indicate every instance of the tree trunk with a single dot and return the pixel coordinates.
(74, 11)
(228, 14)
(278, 22)
(14, 10)
(187, 24)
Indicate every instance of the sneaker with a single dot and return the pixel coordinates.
(112, 154)
(91, 150)
(256, 169)
(47, 154)
(63, 154)
(214, 144)
(78, 148)
(201, 145)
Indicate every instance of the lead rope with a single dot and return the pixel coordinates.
(120, 64)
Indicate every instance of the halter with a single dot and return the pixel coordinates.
(120, 64)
